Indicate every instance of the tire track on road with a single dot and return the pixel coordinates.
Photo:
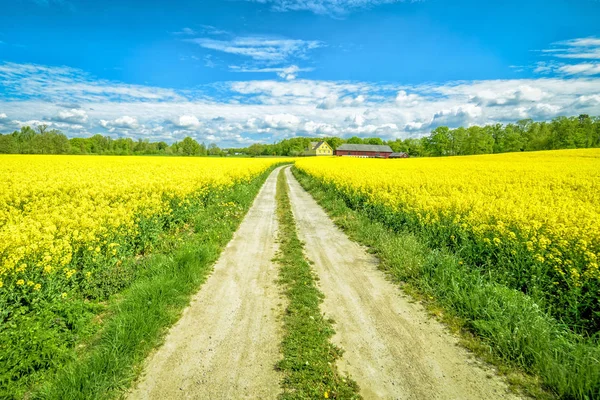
(393, 349)
(227, 342)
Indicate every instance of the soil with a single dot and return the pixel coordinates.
(227, 342)
(392, 348)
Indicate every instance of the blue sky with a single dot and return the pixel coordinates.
(241, 71)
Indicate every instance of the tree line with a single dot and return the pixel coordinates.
(525, 135)
(51, 141)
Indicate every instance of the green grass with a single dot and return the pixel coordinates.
(99, 347)
(308, 356)
(503, 325)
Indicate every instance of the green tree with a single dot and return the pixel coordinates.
(214, 150)
(375, 140)
(354, 140)
(189, 147)
(334, 142)
(8, 144)
(438, 143)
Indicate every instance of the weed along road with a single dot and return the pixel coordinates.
(392, 349)
(226, 344)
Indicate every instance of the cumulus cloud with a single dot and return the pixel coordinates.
(281, 121)
(463, 115)
(356, 120)
(405, 99)
(187, 122)
(328, 102)
(589, 101)
(238, 113)
(124, 122)
(72, 116)
(511, 96)
(354, 102)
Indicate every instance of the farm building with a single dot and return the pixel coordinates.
(318, 149)
(364, 150)
(399, 155)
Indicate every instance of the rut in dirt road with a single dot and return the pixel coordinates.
(392, 349)
(226, 344)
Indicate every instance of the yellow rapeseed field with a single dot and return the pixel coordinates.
(537, 209)
(54, 206)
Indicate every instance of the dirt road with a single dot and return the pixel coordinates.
(227, 342)
(393, 350)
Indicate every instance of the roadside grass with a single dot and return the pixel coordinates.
(104, 363)
(308, 356)
(539, 355)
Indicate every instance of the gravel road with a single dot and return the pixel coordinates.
(393, 349)
(226, 344)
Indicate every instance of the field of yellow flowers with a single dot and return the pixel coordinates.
(528, 220)
(88, 242)
(63, 217)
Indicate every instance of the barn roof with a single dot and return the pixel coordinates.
(366, 147)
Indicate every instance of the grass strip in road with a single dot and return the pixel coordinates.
(502, 325)
(308, 356)
(138, 317)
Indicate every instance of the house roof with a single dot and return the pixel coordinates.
(365, 147)
(315, 145)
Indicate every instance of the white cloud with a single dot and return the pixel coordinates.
(582, 48)
(581, 69)
(323, 93)
(287, 73)
(3, 116)
(124, 122)
(281, 121)
(511, 96)
(356, 120)
(404, 99)
(187, 121)
(354, 102)
(589, 101)
(328, 102)
(70, 84)
(260, 48)
(237, 113)
(331, 7)
(73, 116)
(462, 115)
(569, 50)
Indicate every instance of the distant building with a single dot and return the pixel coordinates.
(318, 149)
(399, 155)
(364, 150)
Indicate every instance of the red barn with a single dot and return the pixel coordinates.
(364, 150)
